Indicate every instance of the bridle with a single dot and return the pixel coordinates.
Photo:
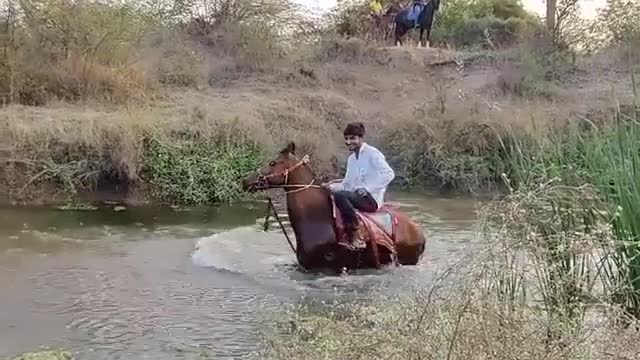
(263, 179)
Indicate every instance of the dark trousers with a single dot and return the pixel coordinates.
(347, 202)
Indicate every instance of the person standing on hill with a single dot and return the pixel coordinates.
(416, 9)
(375, 17)
(376, 8)
(363, 188)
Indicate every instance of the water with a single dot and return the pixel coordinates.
(130, 284)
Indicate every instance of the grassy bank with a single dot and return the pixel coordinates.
(447, 128)
(136, 103)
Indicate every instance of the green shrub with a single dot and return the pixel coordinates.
(45, 355)
(486, 32)
(487, 23)
(197, 173)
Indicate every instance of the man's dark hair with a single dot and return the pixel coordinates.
(355, 128)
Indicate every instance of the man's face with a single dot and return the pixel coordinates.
(353, 142)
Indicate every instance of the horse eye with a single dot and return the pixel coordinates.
(272, 164)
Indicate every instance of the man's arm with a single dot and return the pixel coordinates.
(346, 182)
(381, 173)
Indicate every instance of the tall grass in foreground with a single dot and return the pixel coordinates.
(523, 291)
(613, 160)
(608, 160)
(530, 287)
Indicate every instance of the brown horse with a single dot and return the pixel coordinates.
(317, 226)
(380, 26)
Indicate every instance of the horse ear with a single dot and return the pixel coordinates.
(291, 147)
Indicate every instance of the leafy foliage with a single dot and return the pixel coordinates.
(487, 23)
(197, 173)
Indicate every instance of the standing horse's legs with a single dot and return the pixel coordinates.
(428, 45)
(399, 32)
(421, 34)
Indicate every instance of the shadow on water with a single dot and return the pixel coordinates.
(117, 284)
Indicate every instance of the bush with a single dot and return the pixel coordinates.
(486, 23)
(197, 173)
(72, 52)
(486, 32)
(75, 51)
(444, 151)
(45, 355)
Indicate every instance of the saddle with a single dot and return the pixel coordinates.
(378, 228)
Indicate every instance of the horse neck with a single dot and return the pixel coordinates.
(306, 204)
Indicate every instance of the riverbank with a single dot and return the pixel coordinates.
(441, 117)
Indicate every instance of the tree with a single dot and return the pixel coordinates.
(551, 16)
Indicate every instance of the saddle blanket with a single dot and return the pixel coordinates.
(378, 227)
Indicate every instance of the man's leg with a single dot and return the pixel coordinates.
(348, 202)
(345, 201)
(364, 203)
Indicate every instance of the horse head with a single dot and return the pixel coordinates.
(436, 5)
(276, 173)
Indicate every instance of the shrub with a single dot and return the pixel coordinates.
(197, 173)
(486, 23)
(487, 32)
(72, 51)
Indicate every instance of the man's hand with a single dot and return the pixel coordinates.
(362, 192)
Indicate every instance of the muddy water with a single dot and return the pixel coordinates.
(129, 284)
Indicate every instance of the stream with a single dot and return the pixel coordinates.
(158, 283)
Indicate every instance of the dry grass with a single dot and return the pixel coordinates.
(435, 113)
(74, 79)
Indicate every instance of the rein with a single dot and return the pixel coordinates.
(298, 187)
(271, 208)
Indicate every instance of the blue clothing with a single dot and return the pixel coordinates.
(415, 11)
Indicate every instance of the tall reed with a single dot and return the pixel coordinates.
(607, 159)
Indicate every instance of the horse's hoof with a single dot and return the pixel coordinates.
(427, 45)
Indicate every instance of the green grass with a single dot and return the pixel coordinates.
(45, 355)
(608, 160)
(198, 172)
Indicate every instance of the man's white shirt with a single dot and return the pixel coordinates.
(369, 171)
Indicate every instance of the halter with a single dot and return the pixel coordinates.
(263, 178)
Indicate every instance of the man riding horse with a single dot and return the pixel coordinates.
(367, 176)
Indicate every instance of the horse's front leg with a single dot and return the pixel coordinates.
(428, 42)
(398, 34)
(421, 35)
